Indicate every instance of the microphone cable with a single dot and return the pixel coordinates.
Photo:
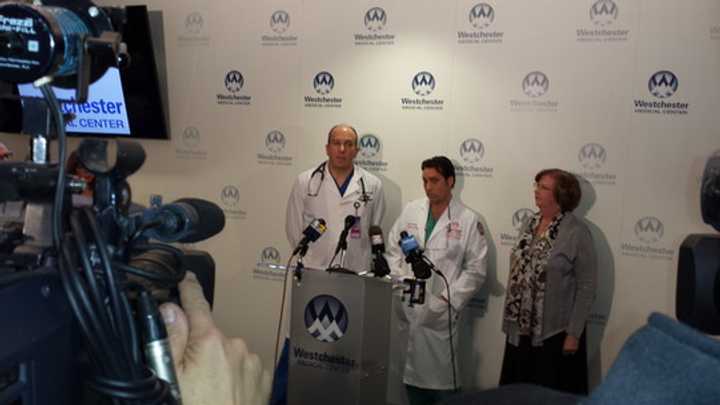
(282, 309)
(450, 329)
(97, 295)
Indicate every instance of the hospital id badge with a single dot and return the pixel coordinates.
(355, 232)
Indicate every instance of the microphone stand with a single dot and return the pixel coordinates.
(299, 266)
(343, 249)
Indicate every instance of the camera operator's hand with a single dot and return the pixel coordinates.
(211, 368)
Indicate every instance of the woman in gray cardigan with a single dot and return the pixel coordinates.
(550, 290)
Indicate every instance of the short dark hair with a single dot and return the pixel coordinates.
(442, 164)
(567, 188)
(342, 125)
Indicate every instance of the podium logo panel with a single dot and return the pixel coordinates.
(326, 318)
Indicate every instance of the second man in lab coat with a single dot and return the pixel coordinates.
(453, 239)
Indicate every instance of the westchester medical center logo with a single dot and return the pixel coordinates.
(234, 82)
(189, 147)
(280, 26)
(230, 198)
(662, 85)
(375, 22)
(323, 84)
(370, 153)
(480, 21)
(275, 150)
(602, 25)
(326, 319)
(104, 111)
(472, 153)
(193, 30)
(535, 86)
(422, 84)
(518, 218)
(269, 265)
(592, 158)
(649, 232)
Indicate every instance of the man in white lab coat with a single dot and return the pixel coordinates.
(453, 239)
(332, 191)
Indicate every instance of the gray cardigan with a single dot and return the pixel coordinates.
(571, 282)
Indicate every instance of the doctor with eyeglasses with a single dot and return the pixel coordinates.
(333, 190)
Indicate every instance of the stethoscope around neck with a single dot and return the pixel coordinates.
(320, 170)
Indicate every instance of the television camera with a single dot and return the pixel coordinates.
(80, 283)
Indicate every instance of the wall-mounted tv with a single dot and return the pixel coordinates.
(125, 102)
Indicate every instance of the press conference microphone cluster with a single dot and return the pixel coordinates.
(421, 265)
(377, 243)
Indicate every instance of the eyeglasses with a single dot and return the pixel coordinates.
(543, 187)
(340, 144)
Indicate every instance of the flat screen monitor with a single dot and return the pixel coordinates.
(124, 102)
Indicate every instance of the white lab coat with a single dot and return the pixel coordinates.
(333, 208)
(458, 248)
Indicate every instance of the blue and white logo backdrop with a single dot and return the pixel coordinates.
(608, 89)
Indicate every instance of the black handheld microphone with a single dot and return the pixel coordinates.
(420, 265)
(342, 242)
(187, 220)
(380, 264)
(312, 233)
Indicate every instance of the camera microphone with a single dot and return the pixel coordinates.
(187, 220)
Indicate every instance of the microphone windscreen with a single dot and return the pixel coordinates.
(350, 221)
(315, 229)
(376, 238)
(210, 219)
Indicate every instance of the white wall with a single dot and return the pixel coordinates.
(644, 164)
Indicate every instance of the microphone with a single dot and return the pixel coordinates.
(312, 233)
(342, 242)
(187, 220)
(420, 265)
(377, 242)
(380, 264)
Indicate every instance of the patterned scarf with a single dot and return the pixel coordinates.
(525, 295)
